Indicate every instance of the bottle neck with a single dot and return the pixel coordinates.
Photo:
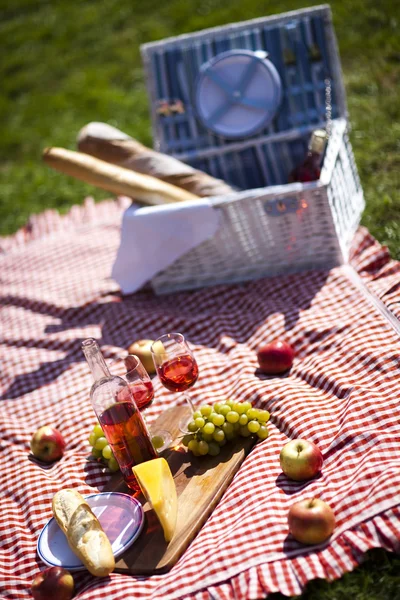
(313, 158)
(95, 359)
(318, 142)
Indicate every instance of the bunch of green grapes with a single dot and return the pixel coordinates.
(101, 448)
(213, 426)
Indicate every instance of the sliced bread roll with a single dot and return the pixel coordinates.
(83, 532)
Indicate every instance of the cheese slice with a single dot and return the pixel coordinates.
(158, 486)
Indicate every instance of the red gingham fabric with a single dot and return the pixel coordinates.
(342, 393)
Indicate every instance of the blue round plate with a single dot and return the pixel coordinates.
(121, 517)
(238, 93)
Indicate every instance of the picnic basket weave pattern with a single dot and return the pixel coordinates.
(268, 227)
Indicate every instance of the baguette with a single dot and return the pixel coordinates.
(83, 531)
(113, 178)
(114, 146)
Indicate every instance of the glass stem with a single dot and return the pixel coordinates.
(189, 401)
(183, 424)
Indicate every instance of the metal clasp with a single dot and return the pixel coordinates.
(282, 206)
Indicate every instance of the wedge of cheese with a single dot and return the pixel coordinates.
(158, 487)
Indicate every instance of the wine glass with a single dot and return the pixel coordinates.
(176, 366)
(140, 384)
(141, 387)
(139, 381)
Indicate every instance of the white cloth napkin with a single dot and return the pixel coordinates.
(152, 238)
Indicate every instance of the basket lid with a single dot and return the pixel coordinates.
(243, 81)
(237, 93)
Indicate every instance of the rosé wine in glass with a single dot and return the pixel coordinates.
(132, 370)
(179, 374)
(143, 393)
(176, 366)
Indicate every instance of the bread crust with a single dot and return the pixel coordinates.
(83, 531)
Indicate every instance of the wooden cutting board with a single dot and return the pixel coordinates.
(200, 483)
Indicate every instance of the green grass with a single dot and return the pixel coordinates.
(376, 579)
(67, 63)
(64, 64)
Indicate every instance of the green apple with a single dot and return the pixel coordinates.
(142, 349)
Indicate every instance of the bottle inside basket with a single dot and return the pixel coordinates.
(310, 168)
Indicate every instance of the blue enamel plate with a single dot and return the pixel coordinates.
(121, 517)
(238, 93)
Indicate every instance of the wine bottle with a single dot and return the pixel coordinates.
(310, 168)
(118, 415)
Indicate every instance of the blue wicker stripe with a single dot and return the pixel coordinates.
(299, 47)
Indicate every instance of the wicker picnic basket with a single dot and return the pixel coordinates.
(268, 226)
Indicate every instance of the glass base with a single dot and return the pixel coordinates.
(161, 440)
(183, 424)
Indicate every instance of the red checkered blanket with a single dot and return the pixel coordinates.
(342, 393)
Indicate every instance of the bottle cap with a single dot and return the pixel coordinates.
(318, 141)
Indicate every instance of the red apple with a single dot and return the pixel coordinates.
(47, 444)
(52, 583)
(275, 358)
(311, 521)
(300, 459)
